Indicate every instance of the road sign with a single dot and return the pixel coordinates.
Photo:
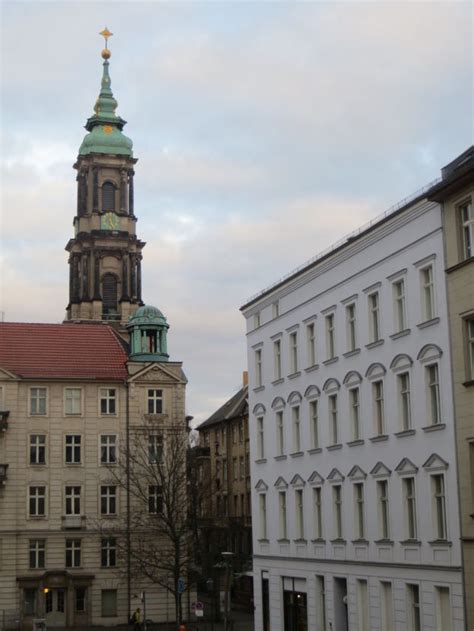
(181, 586)
(199, 613)
(199, 605)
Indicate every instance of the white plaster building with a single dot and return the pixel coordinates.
(354, 501)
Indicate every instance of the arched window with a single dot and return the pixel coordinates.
(108, 196)
(109, 296)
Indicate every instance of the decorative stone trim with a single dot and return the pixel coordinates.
(354, 443)
(333, 360)
(375, 344)
(434, 428)
(427, 323)
(398, 334)
(405, 432)
(356, 351)
(334, 447)
(378, 439)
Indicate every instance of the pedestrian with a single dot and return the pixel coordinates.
(137, 619)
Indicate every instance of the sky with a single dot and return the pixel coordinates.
(265, 132)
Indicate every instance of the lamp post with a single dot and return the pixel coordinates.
(227, 556)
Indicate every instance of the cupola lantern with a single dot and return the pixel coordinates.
(148, 329)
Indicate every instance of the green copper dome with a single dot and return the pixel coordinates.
(147, 315)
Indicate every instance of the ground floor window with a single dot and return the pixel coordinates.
(29, 602)
(265, 604)
(109, 602)
(81, 593)
(295, 611)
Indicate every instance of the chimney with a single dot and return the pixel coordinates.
(245, 378)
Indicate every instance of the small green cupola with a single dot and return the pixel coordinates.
(148, 329)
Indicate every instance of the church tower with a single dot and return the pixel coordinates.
(105, 253)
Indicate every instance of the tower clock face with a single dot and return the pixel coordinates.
(110, 221)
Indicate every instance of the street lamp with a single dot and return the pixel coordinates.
(227, 556)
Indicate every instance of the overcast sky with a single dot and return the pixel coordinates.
(264, 132)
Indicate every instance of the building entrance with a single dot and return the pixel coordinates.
(55, 608)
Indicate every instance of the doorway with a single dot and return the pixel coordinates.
(55, 608)
(341, 622)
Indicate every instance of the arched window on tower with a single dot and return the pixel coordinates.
(108, 196)
(109, 297)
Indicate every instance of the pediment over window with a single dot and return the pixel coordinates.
(315, 478)
(435, 463)
(281, 483)
(401, 361)
(294, 398)
(261, 487)
(352, 378)
(375, 371)
(356, 473)
(297, 481)
(406, 466)
(278, 403)
(429, 352)
(259, 410)
(312, 392)
(380, 470)
(335, 476)
(331, 385)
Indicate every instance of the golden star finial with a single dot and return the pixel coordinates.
(106, 34)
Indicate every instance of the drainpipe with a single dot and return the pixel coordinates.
(127, 473)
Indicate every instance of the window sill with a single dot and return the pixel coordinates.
(331, 360)
(364, 542)
(374, 344)
(434, 428)
(398, 334)
(294, 375)
(37, 464)
(383, 542)
(355, 351)
(334, 447)
(354, 443)
(260, 461)
(468, 384)
(405, 432)
(379, 439)
(259, 389)
(278, 381)
(338, 541)
(442, 543)
(427, 323)
(281, 457)
(312, 368)
(410, 542)
(297, 454)
(315, 450)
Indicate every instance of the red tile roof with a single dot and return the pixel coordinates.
(62, 351)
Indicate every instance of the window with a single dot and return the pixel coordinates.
(414, 613)
(443, 609)
(258, 367)
(439, 506)
(432, 376)
(470, 347)
(399, 305)
(224, 470)
(294, 352)
(38, 401)
(80, 599)
(73, 553)
(282, 514)
(386, 598)
(427, 289)
(362, 604)
(108, 401)
(155, 401)
(108, 196)
(108, 500)
(318, 512)
(467, 223)
(37, 554)
(280, 433)
(242, 467)
(108, 449)
(382, 498)
(260, 438)
(277, 357)
(263, 515)
(359, 510)
(155, 499)
(295, 414)
(256, 320)
(108, 552)
(351, 327)
(155, 448)
(314, 428)
(378, 406)
(320, 604)
(72, 497)
(337, 507)
(311, 343)
(73, 449)
(72, 400)
(29, 602)
(374, 317)
(235, 468)
(333, 423)
(276, 309)
(37, 501)
(410, 507)
(109, 602)
(330, 333)
(241, 432)
(38, 449)
(299, 506)
(355, 413)
(404, 401)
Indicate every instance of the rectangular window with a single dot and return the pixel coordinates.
(80, 599)
(386, 601)
(37, 501)
(318, 512)
(330, 336)
(242, 467)
(362, 604)
(256, 320)
(38, 449)
(383, 508)
(374, 317)
(72, 496)
(277, 357)
(351, 327)
(333, 421)
(155, 401)
(73, 449)
(241, 432)
(427, 289)
(404, 401)
(439, 506)
(320, 604)
(337, 507)
(108, 500)
(224, 470)
(108, 552)
(399, 306)
(469, 328)
(73, 553)
(260, 438)
(311, 343)
(359, 510)
(109, 603)
(414, 612)
(155, 499)
(282, 513)
(280, 433)
(355, 413)
(443, 609)
(108, 401)
(314, 425)
(467, 223)
(293, 352)
(410, 507)
(72, 400)
(258, 367)
(299, 514)
(37, 554)
(38, 401)
(276, 309)
(155, 448)
(29, 602)
(295, 415)
(263, 515)
(432, 378)
(378, 407)
(235, 467)
(108, 449)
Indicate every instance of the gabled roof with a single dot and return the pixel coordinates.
(62, 351)
(233, 408)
